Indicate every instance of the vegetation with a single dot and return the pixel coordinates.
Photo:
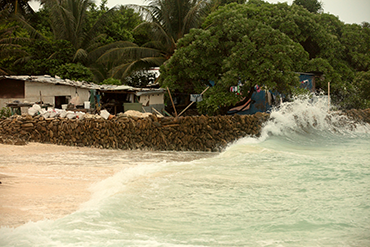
(313, 6)
(16, 6)
(166, 22)
(10, 49)
(5, 112)
(230, 51)
(261, 43)
(72, 31)
(74, 71)
(224, 41)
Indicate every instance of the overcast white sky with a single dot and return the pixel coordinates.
(348, 11)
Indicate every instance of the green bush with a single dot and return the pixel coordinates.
(111, 81)
(5, 112)
(73, 71)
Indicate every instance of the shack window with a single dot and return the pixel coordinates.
(61, 100)
(11, 89)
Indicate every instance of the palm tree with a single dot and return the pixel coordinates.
(9, 45)
(16, 6)
(166, 22)
(68, 22)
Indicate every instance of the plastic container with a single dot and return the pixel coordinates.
(105, 114)
(87, 104)
(64, 106)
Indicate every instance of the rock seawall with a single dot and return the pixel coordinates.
(192, 133)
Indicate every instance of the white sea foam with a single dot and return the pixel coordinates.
(307, 115)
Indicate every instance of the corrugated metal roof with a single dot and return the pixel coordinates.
(54, 80)
(150, 91)
(80, 84)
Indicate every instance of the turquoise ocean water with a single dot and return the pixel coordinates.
(304, 182)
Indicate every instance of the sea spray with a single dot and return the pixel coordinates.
(310, 116)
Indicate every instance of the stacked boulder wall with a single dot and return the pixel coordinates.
(358, 116)
(190, 133)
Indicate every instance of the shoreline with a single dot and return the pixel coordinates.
(30, 192)
(48, 181)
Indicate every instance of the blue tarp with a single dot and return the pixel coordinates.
(259, 103)
(306, 81)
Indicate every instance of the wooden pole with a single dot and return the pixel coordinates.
(192, 102)
(155, 110)
(167, 113)
(173, 105)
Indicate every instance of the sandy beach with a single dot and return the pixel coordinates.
(44, 181)
(33, 190)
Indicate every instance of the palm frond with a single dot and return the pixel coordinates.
(96, 28)
(9, 46)
(12, 51)
(99, 73)
(126, 69)
(80, 55)
(63, 19)
(94, 43)
(16, 40)
(23, 60)
(99, 51)
(32, 31)
(128, 53)
(3, 71)
(157, 33)
(193, 17)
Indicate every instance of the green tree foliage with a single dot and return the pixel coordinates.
(170, 20)
(356, 39)
(362, 85)
(306, 29)
(40, 21)
(166, 21)
(43, 57)
(5, 112)
(68, 22)
(120, 24)
(82, 26)
(225, 2)
(286, 39)
(233, 48)
(11, 49)
(327, 40)
(107, 60)
(313, 6)
(74, 71)
(296, 22)
(111, 81)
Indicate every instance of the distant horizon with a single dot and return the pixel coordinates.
(348, 11)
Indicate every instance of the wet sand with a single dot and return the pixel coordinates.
(44, 181)
(33, 190)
